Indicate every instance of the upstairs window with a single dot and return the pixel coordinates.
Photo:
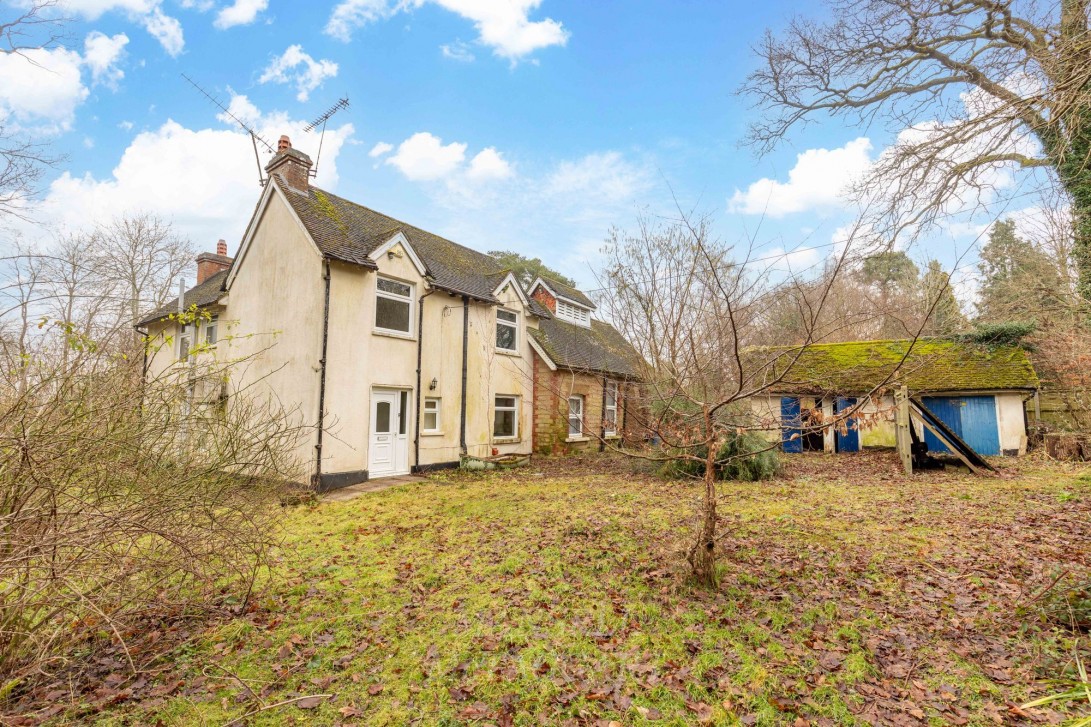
(507, 330)
(185, 341)
(393, 306)
(211, 331)
(574, 314)
(575, 416)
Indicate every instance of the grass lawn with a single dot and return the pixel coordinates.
(557, 594)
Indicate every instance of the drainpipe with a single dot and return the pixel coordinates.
(465, 351)
(322, 376)
(420, 346)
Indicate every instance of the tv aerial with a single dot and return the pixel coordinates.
(320, 122)
(255, 137)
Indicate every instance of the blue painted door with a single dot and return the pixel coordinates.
(973, 418)
(980, 429)
(791, 424)
(949, 411)
(850, 440)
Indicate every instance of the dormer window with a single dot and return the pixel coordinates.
(573, 314)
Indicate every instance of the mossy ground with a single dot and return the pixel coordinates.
(850, 595)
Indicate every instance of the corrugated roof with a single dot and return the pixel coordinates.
(599, 348)
(860, 366)
(201, 295)
(350, 232)
(567, 291)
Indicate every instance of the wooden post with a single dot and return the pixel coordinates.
(901, 428)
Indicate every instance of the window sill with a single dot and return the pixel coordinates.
(506, 352)
(613, 436)
(577, 439)
(433, 433)
(393, 334)
(506, 440)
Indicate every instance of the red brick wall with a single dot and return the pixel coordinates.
(548, 301)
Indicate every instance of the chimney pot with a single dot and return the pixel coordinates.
(284, 143)
(292, 165)
(221, 248)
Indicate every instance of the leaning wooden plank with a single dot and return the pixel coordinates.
(952, 441)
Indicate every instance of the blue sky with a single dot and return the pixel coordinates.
(519, 124)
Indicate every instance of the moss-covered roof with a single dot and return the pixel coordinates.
(599, 348)
(350, 232)
(928, 365)
(201, 295)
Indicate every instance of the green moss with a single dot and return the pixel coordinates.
(926, 365)
(322, 204)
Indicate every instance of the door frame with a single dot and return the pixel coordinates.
(401, 429)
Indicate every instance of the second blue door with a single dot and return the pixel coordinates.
(972, 418)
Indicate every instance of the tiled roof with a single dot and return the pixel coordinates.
(932, 365)
(567, 291)
(599, 348)
(350, 232)
(201, 295)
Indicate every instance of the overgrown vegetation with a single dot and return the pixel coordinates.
(122, 501)
(413, 604)
(746, 457)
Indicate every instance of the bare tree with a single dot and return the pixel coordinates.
(696, 311)
(143, 258)
(34, 26)
(1024, 71)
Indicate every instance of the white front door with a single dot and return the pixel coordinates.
(388, 443)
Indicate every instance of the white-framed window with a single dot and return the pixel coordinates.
(185, 341)
(393, 306)
(507, 330)
(211, 331)
(609, 414)
(431, 419)
(574, 314)
(505, 423)
(575, 416)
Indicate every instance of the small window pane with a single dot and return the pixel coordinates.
(505, 401)
(505, 315)
(402, 412)
(382, 417)
(392, 315)
(210, 332)
(575, 416)
(504, 424)
(505, 337)
(431, 421)
(611, 395)
(393, 286)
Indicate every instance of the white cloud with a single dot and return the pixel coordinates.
(819, 180)
(203, 180)
(148, 13)
(502, 25)
(125, 125)
(424, 157)
(457, 51)
(488, 164)
(44, 87)
(101, 53)
(295, 66)
(351, 14)
(241, 12)
(606, 176)
(167, 30)
(379, 149)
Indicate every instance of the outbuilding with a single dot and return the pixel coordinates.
(979, 391)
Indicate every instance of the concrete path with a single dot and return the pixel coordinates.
(385, 483)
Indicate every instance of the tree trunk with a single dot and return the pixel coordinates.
(704, 550)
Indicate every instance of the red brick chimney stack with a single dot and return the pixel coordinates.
(208, 264)
(291, 165)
